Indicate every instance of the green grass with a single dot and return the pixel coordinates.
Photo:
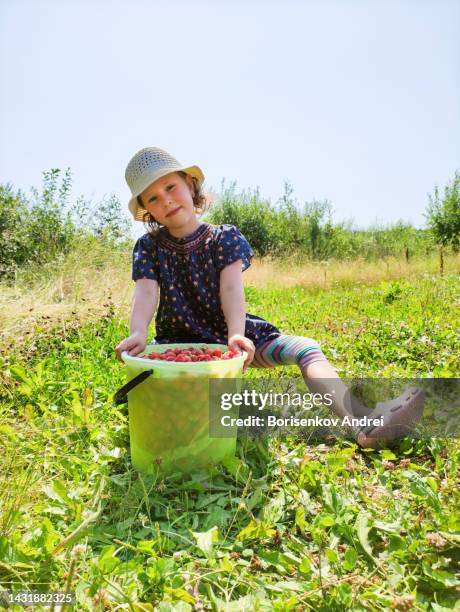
(284, 526)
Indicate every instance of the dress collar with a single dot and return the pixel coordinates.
(164, 233)
(186, 244)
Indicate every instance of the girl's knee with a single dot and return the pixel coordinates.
(307, 341)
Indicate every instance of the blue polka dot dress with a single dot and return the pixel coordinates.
(188, 270)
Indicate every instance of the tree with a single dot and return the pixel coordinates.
(13, 236)
(443, 215)
(110, 222)
(49, 226)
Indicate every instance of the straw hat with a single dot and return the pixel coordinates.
(147, 166)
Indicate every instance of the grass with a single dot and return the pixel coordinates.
(78, 286)
(285, 525)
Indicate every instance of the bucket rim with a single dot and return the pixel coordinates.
(162, 348)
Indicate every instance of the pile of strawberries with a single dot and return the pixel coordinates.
(182, 355)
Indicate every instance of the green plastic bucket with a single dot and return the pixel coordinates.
(168, 407)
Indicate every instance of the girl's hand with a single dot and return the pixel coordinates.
(135, 344)
(239, 343)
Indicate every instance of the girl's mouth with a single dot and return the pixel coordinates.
(173, 212)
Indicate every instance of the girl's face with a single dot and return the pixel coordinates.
(169, 200)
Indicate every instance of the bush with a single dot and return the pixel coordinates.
(252, 216)
(45, 227)
(270, 229)
(288, 228)
(444, 215)
(35, 230)
(109, 222)
(49, 228)
(13, 237)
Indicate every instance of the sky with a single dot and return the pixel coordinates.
(353, 101)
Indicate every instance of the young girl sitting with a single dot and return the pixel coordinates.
(196, 269)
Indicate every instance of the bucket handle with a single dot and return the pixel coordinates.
(121, 396)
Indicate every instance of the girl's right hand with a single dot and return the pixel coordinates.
(134, 345)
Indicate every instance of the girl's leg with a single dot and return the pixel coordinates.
(321, 377)
(399, 415)
(287, 350)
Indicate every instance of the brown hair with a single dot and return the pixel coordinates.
(200, 204)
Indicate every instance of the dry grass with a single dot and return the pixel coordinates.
(78, 287)
(267, 274)
(81, 285)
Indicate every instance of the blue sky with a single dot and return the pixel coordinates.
(356, 101)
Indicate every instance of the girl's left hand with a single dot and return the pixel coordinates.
(239, 343)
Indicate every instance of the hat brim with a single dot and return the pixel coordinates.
(138, 212)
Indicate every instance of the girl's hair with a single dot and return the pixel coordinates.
(200, 204)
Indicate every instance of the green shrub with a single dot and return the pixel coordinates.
(13, 237)
(444, 214)
(40, 229)
(252, 216)
(308, 230)
(49, 227)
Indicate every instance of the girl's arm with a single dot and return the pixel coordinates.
(144, 305)
(234, 308)
(145, 302)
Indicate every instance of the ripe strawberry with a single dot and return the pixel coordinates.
(192, 354)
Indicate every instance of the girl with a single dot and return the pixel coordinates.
(196, 268)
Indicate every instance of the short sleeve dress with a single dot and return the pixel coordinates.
(188, 270)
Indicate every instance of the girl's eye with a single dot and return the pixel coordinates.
(169, 188)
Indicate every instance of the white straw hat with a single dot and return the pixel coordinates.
(147, 166)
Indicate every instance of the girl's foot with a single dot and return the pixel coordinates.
(399, 417)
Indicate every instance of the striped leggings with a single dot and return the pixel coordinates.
(287, 350)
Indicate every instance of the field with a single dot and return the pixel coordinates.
(285, 525)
